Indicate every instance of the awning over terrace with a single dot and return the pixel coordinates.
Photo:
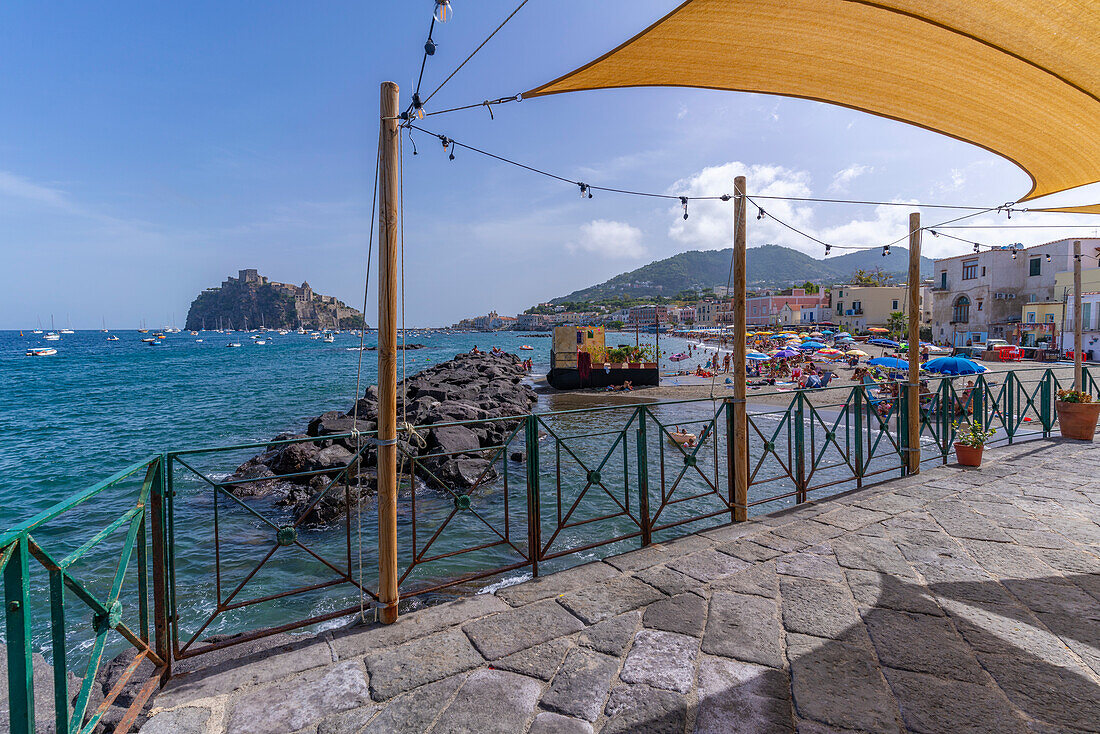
(1020, 78)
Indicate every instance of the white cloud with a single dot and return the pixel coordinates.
(18, 187)
(841, 179)
(609, 239)
(709, 225)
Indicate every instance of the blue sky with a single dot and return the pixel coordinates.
(148, 150)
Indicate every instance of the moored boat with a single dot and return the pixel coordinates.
(41, 352)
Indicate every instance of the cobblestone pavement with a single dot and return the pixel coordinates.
(953, 601)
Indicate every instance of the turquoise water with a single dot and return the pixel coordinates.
(73, 419)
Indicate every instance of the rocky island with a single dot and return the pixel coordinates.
(251, 300)
(468, 387)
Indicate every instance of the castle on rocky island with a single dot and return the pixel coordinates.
(252, 300)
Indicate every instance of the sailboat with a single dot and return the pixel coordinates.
(104, 329)
(68, 328)
(39, 329)
(51, 335)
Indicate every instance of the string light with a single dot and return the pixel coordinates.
(585, 190)
(725, 197)
(976, 247)
(684, 203)
(1014, 252)
(443, 10)
(885, 250)
(760, 213)
(418, 106)
(827, 248)
(1048, 257)
(429, 46)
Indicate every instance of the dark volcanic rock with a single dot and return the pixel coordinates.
(470, 387)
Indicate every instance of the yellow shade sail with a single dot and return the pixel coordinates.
(1020, 78)
(1087, 209)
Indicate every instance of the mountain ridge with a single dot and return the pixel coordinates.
(768, 266)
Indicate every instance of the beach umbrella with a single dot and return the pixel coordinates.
(757, 357)
(932, 348)
(842, 333)
(884, 343)
(856, 353)
(784, 353)
(816, 334)
(890, 363)
(878, 330)
(772, 352)
(829, 353)
(826, 332)
(811, 345)
(954, 366)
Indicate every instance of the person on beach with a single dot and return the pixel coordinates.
(475, 350)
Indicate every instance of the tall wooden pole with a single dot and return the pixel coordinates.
(740, 466)
(388, 182)
(1077, 314)
(913, 398)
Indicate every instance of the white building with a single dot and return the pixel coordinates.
(978, 296)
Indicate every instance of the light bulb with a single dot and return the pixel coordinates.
(1013, 253)
(684, 203)
(443, 11)
(827, 248)
(429, 47)
(975, 247)
(886, 250)
(1048, 257)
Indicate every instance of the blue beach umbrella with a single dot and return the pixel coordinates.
(884, 343)
(757, 357)
(954, 366)
(811, 345)
(890, 363)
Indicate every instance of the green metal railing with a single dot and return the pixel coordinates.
(545, 491)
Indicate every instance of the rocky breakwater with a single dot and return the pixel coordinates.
(469, 387)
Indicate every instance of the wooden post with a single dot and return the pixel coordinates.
(913, 398)
(387, 352)
(740, 466)
(1077, 314)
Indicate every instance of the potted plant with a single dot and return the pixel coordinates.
(970, 439)
(1077, 414)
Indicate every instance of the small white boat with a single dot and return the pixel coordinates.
(149, 340)
(52, 337)
(683, 438)
(41, 352)
(329, 339)
(154, 343)
(198, 341)
(525, 347)
(66, 331)
(37, 331)
(233, 344)
(112, 338)
(261, 342)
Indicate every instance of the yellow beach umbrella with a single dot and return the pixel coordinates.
(856, 353)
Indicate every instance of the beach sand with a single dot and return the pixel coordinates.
(692, 387)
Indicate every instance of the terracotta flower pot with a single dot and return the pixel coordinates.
(968, 455)
(1077, 420)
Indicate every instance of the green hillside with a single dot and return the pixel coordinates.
(768, 265)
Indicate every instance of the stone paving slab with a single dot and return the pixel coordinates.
(957, 600)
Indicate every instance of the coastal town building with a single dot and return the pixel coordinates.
(1061, 307)
(764, 310)
(647, 315)
(813, 314)
(978, 296)
(859, 307)
(532, 322)
(706, 313)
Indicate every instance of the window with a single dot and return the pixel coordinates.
(960, 313)
(839, 307)
(1086, 316)
(980, 302)
(1050, 318)
(895, 306)
(1035, 266)
(1031, 317)
(857, 306)
(943, 280)
(983, 271)
(970, 270)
